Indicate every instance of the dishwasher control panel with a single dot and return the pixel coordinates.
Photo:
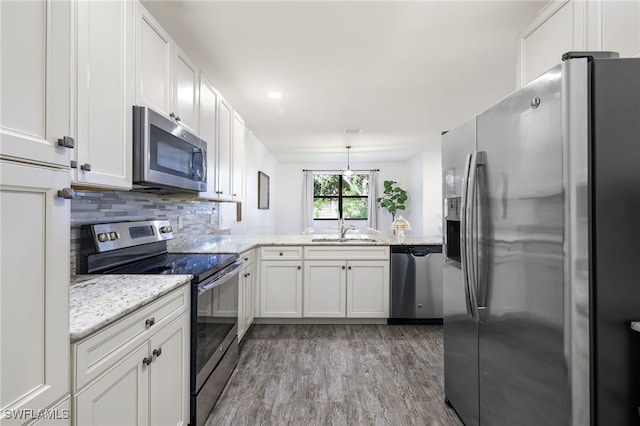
(417, 250)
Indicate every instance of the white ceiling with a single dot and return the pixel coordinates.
(401, 71)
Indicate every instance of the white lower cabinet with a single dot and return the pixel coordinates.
(324, 282)
(325, 288)
(367, 289)
(245, 294)
(120, 397)
(281, 288)
(136, 372)
(352, 289)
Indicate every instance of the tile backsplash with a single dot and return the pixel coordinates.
(196, 217)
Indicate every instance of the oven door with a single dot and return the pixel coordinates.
(214, 322)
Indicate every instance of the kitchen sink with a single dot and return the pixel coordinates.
(343, 240)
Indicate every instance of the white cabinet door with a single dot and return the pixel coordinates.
(36, 80)
(58, 415)
(120, 397)
(547, 38)
(620, 26)
(223, 182)
(237, 158)
(207, 122)
(105, 94)
(368, 289)
(249, 297)
(169, 372)
(34, 304)
(281, 289)
(245, 298)
(154, 63)
(324, 288)
(186, 88)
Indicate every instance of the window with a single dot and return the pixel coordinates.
(335, 196)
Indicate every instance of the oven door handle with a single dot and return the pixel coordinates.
(230, 272)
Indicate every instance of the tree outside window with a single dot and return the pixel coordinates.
(335, 197)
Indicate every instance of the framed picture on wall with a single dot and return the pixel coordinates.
(263, 191)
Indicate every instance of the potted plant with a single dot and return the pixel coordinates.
(393, 199)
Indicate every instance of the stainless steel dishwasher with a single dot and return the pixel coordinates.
(416, 284)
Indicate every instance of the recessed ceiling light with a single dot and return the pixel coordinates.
(351, 130)
(274, 95)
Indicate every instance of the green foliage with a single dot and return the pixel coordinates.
(393, 198)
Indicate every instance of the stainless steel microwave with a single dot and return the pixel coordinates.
(165, 155)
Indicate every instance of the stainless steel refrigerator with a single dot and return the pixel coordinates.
(542, 251)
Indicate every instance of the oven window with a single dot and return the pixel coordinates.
(170, 154)
(216, 318)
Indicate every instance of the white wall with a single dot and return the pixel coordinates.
(254, 221)
(289, 192)
(424, 212)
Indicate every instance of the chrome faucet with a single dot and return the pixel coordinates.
(343, 227)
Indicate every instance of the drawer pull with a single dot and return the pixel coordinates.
(147, 361)
(157, 352)
(281, 253)
(149, 322)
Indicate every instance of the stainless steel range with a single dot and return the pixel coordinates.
(141, 248)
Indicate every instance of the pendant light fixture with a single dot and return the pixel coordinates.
(348, 173)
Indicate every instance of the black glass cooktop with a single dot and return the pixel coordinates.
(200, 265)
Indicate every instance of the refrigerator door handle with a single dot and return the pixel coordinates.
(463, 235)
(480, 255)
(471, 233)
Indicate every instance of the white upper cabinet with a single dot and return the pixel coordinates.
(619, 28)
(572, 25)
(223, 179)
(105, 94)
(36, 80)
(208, 132)
(166, 79)
(185, 90)
(237, 158)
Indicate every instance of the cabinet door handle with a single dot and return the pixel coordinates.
(299, 267)
(149, 322)
(172, 115)
(248, 274)
(177, 118)
(73, 164)
(67, 193)
(157, 352)
(280, 253)
(349, 267)
(86, 167)
(147, 361)
(67, 142)
(246, 259)
(343, 267)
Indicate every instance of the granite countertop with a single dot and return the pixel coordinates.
(98, 300)
(239, 244)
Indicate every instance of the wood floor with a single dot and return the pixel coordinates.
(337, 375)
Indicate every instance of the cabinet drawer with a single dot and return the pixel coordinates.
(281, 252)
(247, 257)
(346, 253)
(98, 352)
